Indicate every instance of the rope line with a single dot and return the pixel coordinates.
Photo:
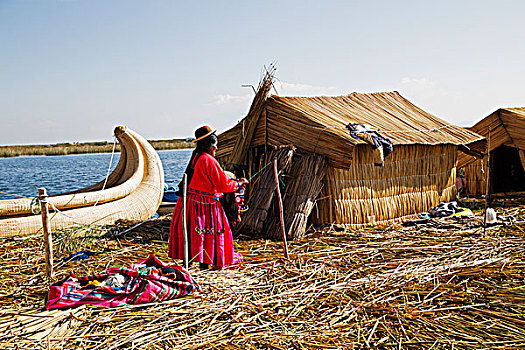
(35, 206)
(15, 195)
(103, 188)
(264, 167)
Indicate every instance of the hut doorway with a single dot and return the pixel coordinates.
(508, 174)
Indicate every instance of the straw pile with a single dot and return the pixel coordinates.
(300, 195)
(397, 288)
(264, 190)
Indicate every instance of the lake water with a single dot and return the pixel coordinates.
(24, 175)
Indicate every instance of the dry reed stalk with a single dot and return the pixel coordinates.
(263, 191)
(300, 196)
(249, 123)
(401, 287)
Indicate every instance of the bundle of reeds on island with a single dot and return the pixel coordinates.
(244, 135)
(264, 190)
(300, 194)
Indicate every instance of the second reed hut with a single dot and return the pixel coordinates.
(418, 174)
(505, 132)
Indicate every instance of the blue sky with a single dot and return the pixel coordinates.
(72, 70)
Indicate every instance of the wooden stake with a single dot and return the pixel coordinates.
(48, 239)
(487, 186)
(184, 223)
(281, 214)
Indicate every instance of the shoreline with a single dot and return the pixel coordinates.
(62, 149)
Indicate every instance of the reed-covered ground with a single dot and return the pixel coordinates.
(441, 284)
(61, 149)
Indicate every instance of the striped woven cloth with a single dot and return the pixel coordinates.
(148, 281)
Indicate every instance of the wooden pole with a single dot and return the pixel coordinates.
(487, 186)
(281, 214)
(184, 223)
(48, 239)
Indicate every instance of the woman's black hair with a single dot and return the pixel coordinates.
(205, 144)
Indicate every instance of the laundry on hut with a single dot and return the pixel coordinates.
(78, 256)
(444, 209)
(150, 280)
(381, 146)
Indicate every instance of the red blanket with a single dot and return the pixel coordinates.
(149, 281)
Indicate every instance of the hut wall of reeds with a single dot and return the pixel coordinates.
(416, 176)
(505, 133)
(413, 179)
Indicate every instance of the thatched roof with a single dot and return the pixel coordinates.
(303, 119)
(507, 127)
(390, 113)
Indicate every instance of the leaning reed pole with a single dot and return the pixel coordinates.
(244, 138)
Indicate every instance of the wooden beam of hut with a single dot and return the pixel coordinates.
(245, 134)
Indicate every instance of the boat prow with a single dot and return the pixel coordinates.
(133, 191)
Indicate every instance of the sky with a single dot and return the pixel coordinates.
(70, 70)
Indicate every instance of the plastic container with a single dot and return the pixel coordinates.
(491, 216)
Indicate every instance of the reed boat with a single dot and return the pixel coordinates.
(133, 191)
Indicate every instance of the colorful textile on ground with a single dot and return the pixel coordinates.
(149, 281)
(209, 234)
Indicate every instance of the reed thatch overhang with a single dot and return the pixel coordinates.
(506, 127)
(505, 133)
(317, 125)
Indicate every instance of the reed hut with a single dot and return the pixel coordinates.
(418, 174)
(505, 132)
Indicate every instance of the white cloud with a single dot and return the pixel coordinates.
(418, 82)
(296, 89)
(229, 99)
(283, 89)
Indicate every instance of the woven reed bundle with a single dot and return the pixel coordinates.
(136, 194)
(127, 170)
(299, 198)
(244, 138)
(263, 190)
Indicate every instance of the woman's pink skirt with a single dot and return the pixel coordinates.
(209, 234)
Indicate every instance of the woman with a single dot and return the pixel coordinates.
(209, 235)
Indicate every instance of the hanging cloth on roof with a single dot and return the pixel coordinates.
(382, 147)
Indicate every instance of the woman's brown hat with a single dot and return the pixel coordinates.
(203, 132)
